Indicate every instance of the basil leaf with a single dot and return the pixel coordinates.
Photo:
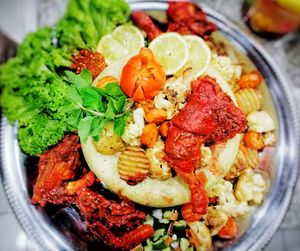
(84, 128)
(90, 98)
(73, 97)
(74, 118)
(110, 111)
(119, 105)
(76, 80)
(113, 89)
(86, 76)
(97, 127)
(119, 125)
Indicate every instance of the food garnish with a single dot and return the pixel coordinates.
(33, 90)
(199, 55)
(142, 76)
(91, 108)
(125, 39)
(171, 51)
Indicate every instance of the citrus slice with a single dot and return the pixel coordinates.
(130, 37)
(111, 49)
(124, 40)
(199, 55)
(171, 51)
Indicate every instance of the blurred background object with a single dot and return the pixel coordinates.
(18, 17)
(272, 18)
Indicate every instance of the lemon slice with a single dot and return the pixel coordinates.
(111, 49)
(130, 37)
(171, 51)
(124, 40)
(199, 55)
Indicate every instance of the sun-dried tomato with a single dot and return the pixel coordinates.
(90, 60)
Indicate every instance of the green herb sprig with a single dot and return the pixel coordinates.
(91, 108)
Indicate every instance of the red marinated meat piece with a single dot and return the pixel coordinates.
(187, 18)
(117, 224)
(143, 21)
(56, 166)
(183, 149)
(210, 112)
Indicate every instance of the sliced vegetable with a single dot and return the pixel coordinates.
(229, 231)
(142, 77)
(158, 233)
(260, 121)
(157, 213)
(156, 116)
(149, 220)
(149, 135)
(250, 80)
(254, 140)
(184, 244)
(179, 228)
(159, 245)
(148, 248)
(171, 215)
(164, 129)
(170, 50)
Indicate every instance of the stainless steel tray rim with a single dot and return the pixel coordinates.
(35, 224)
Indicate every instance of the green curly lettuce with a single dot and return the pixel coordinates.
(33, 91)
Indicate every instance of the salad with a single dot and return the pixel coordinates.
(147, 131)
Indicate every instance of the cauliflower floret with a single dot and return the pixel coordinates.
(211, 178)
(177, 87)
(269, 138)
(161, 102)
(133, 130)
(206, 157)
(173, 96)
(200, 236)
(215, 219)
(228, 70)
(226, 200)
(250, 187)
(159, 169)
(260, 121)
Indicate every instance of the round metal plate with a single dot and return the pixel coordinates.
(266, 219)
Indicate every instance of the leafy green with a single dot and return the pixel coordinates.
(33, 88)
(93, 107)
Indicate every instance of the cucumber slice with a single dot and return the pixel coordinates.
(164, 221)
(158, 233)
(159, 245)
(148, 248)
(149, 242)
(149, 217)
(167, 249)
(170, 215)
(150, 222)
(179, 228)
(184, 244)
(190, 249)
